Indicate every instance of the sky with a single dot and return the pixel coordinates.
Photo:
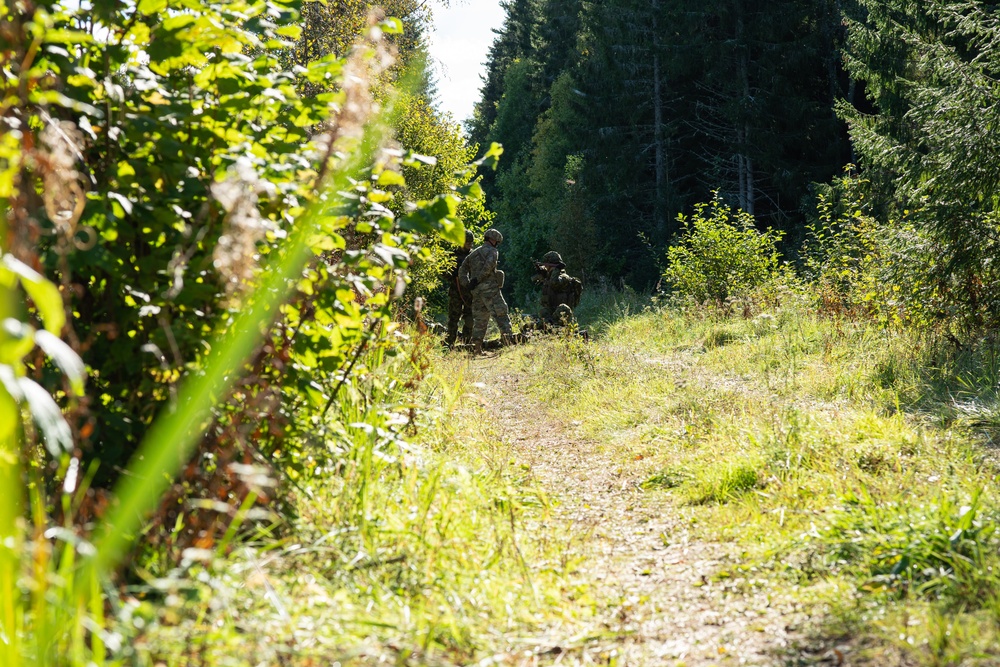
(462, 36)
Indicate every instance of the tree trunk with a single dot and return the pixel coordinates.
(658, 141)
(746, 178)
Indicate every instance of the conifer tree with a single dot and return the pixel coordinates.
(933, 141)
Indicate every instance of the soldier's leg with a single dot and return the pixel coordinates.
(502, 314)
(467, 321)
(455, 308)
(480, 316)
(497, 306)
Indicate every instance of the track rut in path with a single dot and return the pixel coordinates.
(658, 601)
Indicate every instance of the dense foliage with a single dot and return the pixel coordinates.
(230, 213)
(171, 157)
(931, 143)
(619, 115)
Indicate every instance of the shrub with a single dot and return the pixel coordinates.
(720, 254)
(861, 266)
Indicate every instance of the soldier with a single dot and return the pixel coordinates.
(560, 291)
(459, 299)
(479, 275)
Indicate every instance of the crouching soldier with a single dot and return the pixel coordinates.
(479, 275)
(560, 291)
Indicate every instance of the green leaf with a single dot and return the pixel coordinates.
(9, 417)
(46, 413)
(120, 203)
(472, 191)
(60, 36)
(64, 357)
(175, 23)
(290, 31)
(390, 177)
(17, 341)
(391, 26)
(453, 231)
(151, 7)
(491, 158)
(45, 295)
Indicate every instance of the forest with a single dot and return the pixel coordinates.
(231, 432)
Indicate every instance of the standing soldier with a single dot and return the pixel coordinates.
(459, 299)
(479, 275)
(560, 291)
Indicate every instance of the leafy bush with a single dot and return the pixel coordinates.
(229, 264)
(720, 254)
(863, 267)
(170, 179)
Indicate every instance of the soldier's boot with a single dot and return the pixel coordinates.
(477, 346)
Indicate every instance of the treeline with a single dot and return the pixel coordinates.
(616, 116)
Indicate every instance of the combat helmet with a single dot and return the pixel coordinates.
(493, 235)
(552, 257)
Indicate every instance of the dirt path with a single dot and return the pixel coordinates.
(658, 601)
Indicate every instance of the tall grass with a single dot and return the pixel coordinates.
(416, 547)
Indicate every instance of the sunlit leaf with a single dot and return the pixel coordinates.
(17, 343)
(151, 7)
(45, 295)
(491, 158)
(46, 413)
(9, 417)
(392, 26)
(64, 357)
(389, 177)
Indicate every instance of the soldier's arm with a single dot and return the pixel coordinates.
(490, 264)
(565, 280)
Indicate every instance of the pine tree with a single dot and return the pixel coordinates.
(513, 43)
(933, 140)
(637, 109)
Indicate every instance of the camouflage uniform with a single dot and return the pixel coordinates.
(490, 296)
(560, 292)
(479, 272)
(459, 299)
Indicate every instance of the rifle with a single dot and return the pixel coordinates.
(461, 291)
(540, 271)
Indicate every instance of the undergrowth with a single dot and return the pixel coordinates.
(833, 451)
(413, 549)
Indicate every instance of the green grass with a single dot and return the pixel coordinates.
(849, 464)
(831, 450)
(418, 548)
